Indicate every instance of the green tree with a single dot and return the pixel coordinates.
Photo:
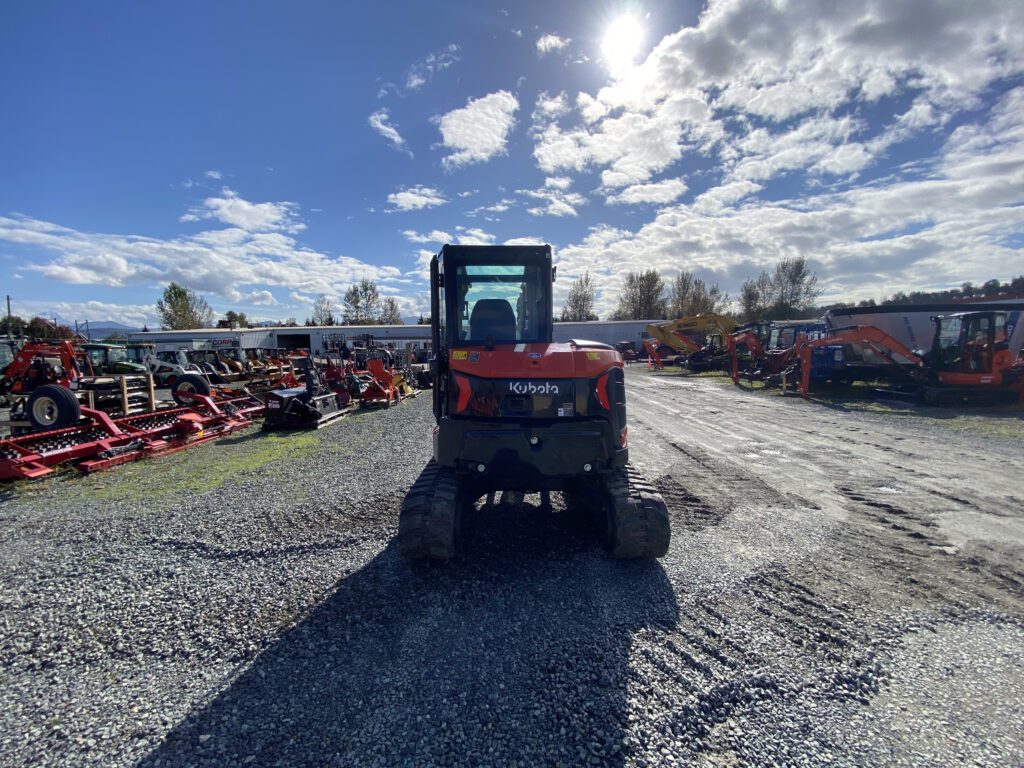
(323, 311)
(14, 326)
(689, 295)
(642, 297)
(234, 319)
(390, 314)
(788, 292)
(579, 305)
(182, 308)
(361, 304)
(795, 288)
(41, 328)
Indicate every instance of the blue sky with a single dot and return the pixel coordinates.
(263, 153)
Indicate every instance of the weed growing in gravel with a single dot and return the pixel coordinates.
(202, 468)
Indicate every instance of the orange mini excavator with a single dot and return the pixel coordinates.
(518, 411)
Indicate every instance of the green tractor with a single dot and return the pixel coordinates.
(104, 358)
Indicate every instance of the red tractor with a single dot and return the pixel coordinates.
(517, 411)
(37, 380)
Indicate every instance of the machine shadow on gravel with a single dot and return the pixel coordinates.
(516, 651)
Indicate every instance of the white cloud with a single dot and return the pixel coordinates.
(555, 198)
(718, 197)
(134, 315)
(499, 207)
(416, 198)
(435, 236)
(379, 122)
(948, 226)
(300, 298)
(213, 174)
(473, 236)
(525, 241)
(659, 192)
(558, 182)
(231, 209)
(260, 299)
(796, 70)
(548, 43)
(549, 108)
(478, 131)
(422, 73)
(234, 263)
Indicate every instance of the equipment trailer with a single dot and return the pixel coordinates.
(97, 441)
(516, 411)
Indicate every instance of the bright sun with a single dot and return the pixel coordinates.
(621, 44)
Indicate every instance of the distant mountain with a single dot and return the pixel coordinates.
(103, 328)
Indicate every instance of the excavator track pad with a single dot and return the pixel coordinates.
(637, 516)
(429, 520)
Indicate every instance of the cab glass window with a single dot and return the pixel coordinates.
(500, 304)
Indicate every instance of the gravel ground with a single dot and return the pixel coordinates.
(842, 587)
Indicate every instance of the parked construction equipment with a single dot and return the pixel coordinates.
(310, 406)
(46, 387)
(975, 357)
(98, 358)
(698, 339)
(518, 412)
(98, 441)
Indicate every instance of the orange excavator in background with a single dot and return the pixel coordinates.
(975, 357)
(766, 362)
(862, 335)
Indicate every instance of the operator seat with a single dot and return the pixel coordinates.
(492, 318)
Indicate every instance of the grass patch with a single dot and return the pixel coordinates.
(199, 469)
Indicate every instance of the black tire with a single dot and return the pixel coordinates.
(189, 382)
(52, 406)
(637, 517)
(428, 524)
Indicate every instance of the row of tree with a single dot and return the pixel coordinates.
(362, 304)
(788, 291)
(180, 308)
(991, 289)
(36, 328)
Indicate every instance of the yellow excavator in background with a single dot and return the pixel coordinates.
(699, 339)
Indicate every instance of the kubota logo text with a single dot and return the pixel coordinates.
(529, 388)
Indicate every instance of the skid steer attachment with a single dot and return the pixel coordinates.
(518, 412)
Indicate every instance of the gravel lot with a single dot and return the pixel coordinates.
(843, 587)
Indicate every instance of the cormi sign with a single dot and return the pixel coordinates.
(533, 388)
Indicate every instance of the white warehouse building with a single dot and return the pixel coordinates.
(325, 337)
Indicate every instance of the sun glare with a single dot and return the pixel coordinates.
(621, 44)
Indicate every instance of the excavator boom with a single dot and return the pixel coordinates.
(674, 333)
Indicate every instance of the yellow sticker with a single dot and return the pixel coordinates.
(593, 356)
(459, 354)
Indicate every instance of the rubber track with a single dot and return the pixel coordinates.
(638, 516)
(429, 515)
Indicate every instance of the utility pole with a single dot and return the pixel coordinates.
(10, 328)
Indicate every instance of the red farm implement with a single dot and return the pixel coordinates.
(99, 441)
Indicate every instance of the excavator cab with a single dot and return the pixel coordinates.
(968, 342)
(517, 411)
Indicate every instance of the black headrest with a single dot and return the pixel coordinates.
(492, 318)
